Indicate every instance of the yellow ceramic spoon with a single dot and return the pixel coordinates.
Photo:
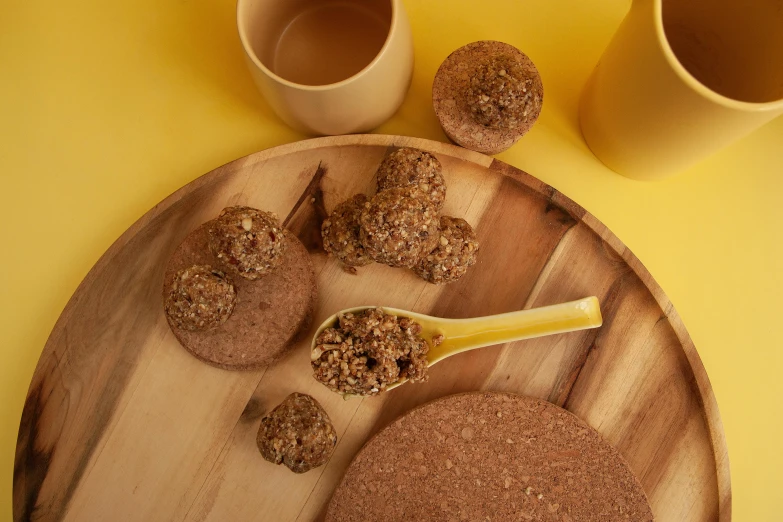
(461, 335)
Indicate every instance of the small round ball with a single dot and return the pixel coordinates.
(247, 241)
(503, 94)
(413, 168)
(340, 232)
(298, 434)
(398, 227)
(456, 252)
(200, 298)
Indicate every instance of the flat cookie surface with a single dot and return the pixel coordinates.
(488, 456)
(269, 314)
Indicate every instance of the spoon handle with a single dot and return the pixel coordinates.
(467, 334)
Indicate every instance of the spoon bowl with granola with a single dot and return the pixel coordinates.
(367, 350)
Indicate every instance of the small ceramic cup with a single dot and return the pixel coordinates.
(328, 66)
(680, 80)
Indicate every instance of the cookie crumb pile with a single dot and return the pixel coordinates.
(297, 433)
(416, 169)
(455, 253)
(367, 351)
(340, 232)
(400, 226)
(247, 241)
(200, 298)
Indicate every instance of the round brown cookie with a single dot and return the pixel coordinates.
(398, 227)
(469, 90)
(456, 252)
(297, 433)
(270, 312)
(484, 455)
(340, 232)
(201, 298)
(247, 241)
(414, 168)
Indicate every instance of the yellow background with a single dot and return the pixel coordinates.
(106, 107)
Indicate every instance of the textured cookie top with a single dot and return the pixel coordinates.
(503, 94)
(297, 433)
(468, 91)
(247, 241)
(457, 249)
(416, 169)
(200, 298)
(399, 227)
(340, 232)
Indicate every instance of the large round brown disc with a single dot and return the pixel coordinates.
(269, 315)
(488, 456)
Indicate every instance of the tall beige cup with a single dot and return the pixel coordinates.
(328, 66)
(682, 79)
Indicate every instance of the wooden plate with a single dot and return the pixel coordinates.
(121, 423)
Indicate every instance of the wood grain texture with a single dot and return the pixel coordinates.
(121, 423)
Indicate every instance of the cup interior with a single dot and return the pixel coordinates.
(315, 42)
(733, 47)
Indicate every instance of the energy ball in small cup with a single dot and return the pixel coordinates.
(340, 232)
(398, 227)
(456, 252)
(247, 241)
(417, 169)
(297, 433)
(200, 298)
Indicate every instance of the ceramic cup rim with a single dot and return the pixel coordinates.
(695, 84)
(395, 16)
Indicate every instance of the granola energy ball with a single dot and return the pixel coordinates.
(398, 227)
(413, 168)
(456, 252)
(503, 94)
(200, 298)
(340, 232)
(487, 95)
(297, 433)
(367, 351)
(247, 241)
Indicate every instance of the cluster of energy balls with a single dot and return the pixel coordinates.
(246, 242)
(400, 225)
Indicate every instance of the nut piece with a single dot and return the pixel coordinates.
(503, 94)
(247, 241)
(200, 298)
(416, 169)
(368, 351)
(456, 252)
(340, 232)
(297, 433)
(398, 227)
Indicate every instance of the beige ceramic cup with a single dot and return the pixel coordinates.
(328, 66)
(680, 80)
